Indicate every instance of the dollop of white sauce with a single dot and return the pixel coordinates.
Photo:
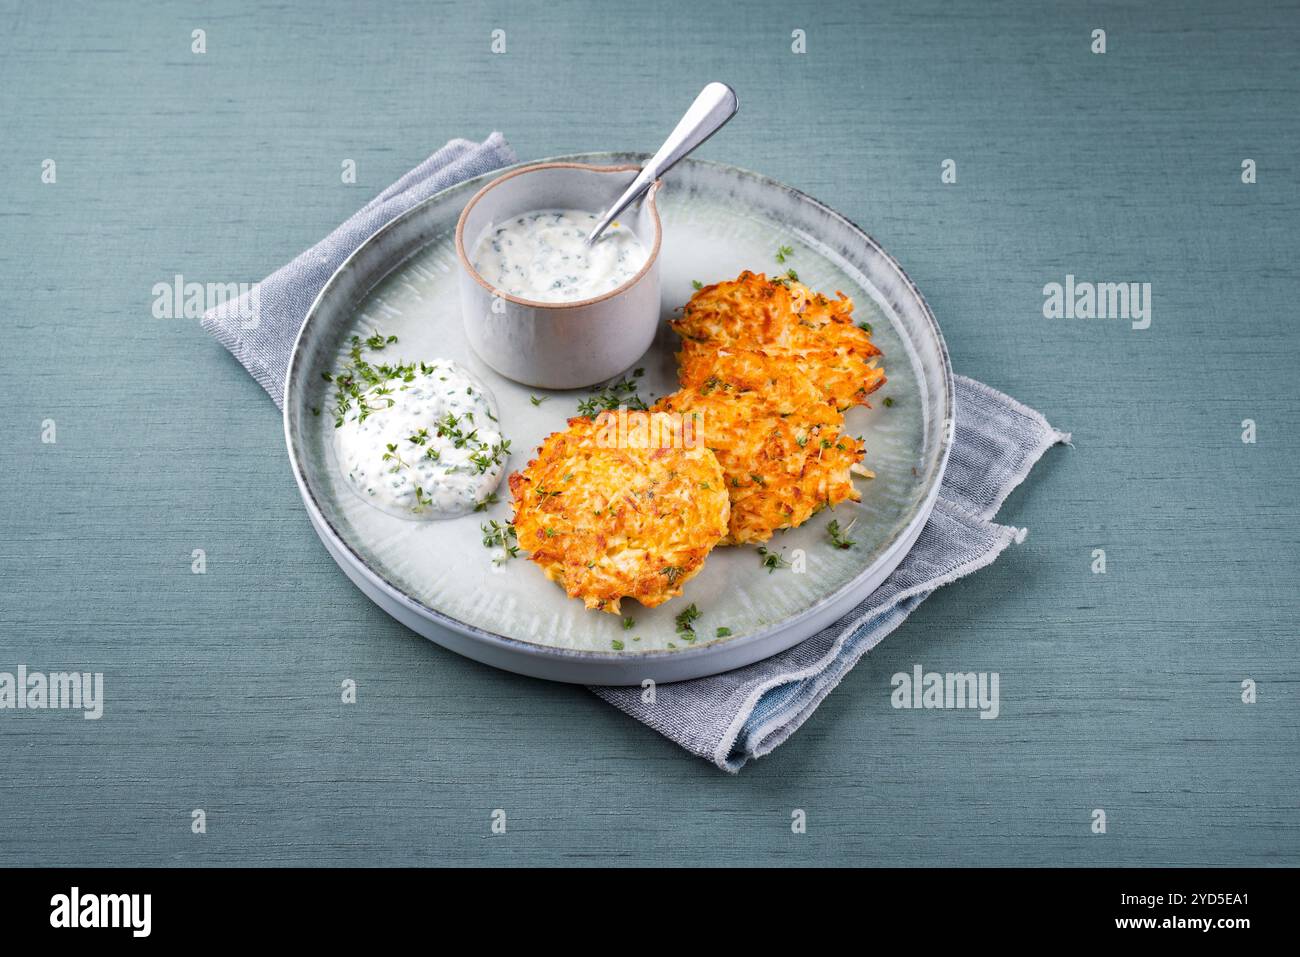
(541, 256)
(427, 448)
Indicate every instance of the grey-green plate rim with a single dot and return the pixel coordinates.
(600, 667)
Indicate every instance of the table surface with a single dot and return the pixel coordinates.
(1120, 691)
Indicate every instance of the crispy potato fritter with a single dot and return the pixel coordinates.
(784, 318)
(612, 514)
(777, 380)
(771, 365)
(629, 504)
(777, 439)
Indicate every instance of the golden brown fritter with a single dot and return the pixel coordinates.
(783, 460)
(755, 445)
(779, 380)
(612, 511)
(784, 318)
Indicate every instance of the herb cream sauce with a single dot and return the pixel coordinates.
(542, 256)
(425, 445)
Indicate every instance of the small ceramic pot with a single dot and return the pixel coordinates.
(559, 345)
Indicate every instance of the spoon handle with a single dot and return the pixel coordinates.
(716, 104)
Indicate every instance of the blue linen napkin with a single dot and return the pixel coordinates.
(729, 718)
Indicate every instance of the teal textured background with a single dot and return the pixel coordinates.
(1119, 691)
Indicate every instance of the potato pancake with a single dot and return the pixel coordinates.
(779, 380)
(784, 318)
(767, 368)
(783, 461)
(612, 512)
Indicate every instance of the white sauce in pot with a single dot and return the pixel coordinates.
(541, 256)
(425, 444)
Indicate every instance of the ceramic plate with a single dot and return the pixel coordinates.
(439, 579)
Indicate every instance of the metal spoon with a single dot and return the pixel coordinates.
(715, 105)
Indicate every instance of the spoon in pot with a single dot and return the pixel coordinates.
(715, 105)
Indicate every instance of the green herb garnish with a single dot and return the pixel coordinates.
(501, 535)
(355, 381)
(840, 539)
(621, 394)
(771, 560)
(392, 455)
(686, 622)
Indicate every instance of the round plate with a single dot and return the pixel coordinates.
(438, 578)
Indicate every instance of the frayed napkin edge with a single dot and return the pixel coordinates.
(1050, 436)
